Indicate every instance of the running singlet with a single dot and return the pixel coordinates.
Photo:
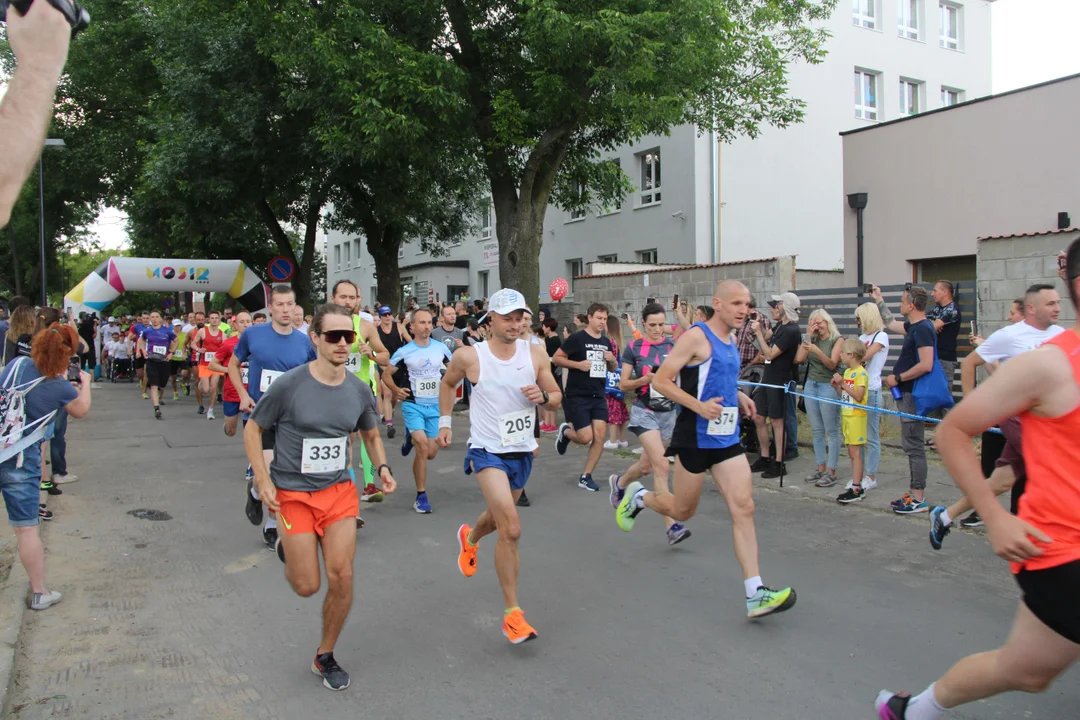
(136, 333)
(502, 418)
(360, 365)
(269, 354)
(423, 370)
(717, 377)
(210, 345)
(1051, 500)
(224, 354)
(181, 344)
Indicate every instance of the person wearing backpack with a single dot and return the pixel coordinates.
(31, 389)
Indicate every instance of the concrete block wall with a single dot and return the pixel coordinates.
(1006, 267)
(627, 292)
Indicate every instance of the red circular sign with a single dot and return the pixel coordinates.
(281, 269)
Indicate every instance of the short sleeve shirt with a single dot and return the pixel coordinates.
(448, 337)
(421, 370)
(787, 337)
(855, 378)
(157, 342)
(919, 335)
(583, 346)
(48, 395)
(1011, 340)
(266, 350)
(643, 357)
(946, 337)
(301, 408)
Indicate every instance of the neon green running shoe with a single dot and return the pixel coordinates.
(767, 601)
(628, 509)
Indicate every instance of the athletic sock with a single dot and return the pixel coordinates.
(507, 611)
(254, 494)
(751, 585)
(420, 492)
(924, 706)
(945, 519)
(271, 523)
(639, 499)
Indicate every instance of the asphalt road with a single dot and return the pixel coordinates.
(192, 617)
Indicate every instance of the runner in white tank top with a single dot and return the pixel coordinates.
(510, 379)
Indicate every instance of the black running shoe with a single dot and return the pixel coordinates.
(253, 509)
(760, 465)
(157, 413)
(523, 501)
(561, 441)
(972, 521)
(775, 470)
(390, 432)
(50, 487)
(201, 409)
(280, 550)
(270, 536)
(406, 447)
(333, 677)
(44, 514)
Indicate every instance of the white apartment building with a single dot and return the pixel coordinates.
(778, 194)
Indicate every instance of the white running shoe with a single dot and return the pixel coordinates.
(64, 479)
(869, 483)
(608, 445)
(624, 443)
(210, 414)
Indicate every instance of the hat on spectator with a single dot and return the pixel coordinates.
(112, 319)
(789, 302)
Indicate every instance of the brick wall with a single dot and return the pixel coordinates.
(1006, 267)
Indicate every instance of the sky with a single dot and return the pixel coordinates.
(1031, 41)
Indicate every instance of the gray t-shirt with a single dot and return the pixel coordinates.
(447, 337)
(313, 422)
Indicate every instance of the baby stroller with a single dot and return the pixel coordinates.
(747, 429)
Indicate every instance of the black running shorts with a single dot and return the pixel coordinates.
(1051, 594)
(157, 373)
(582, 411)
(698, 460)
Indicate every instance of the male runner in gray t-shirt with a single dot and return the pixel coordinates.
(314, 408)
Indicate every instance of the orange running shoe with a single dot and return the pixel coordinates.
(516, 629)
(466, 559)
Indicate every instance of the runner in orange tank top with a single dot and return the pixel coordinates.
(207, 343)
(1042, 543)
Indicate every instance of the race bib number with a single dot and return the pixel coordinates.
(353, 363)
(597, 364)
(516, 427)
(208, 357)
(726, 424)
(654, 394)
(244, 374)
(267, 378)
(178, 353)
(426, 387)
(323, 455)
(845, 397)
(159, 350)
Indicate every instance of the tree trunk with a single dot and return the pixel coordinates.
(15, 260)
(383, 244)
(519, 226)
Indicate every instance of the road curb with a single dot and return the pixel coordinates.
(13, 603)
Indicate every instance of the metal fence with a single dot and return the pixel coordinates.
(841, 303)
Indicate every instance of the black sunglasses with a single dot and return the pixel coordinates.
(336, 336)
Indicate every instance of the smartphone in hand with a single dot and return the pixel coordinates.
(675, 302)
(868, 288)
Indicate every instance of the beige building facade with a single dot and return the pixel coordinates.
(938, 181)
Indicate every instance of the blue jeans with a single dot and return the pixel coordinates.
(58, 446)
(873, 435)
(825, 421)
(21, 487)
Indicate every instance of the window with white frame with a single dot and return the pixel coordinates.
(485, 221)
(910, 91)
(337, 258)
(646, 256)
(864, 13)
(907, 22)
(573, 269)
(949, 22)
(348, 255)
(649, 162)
(401, 253)
(614, 257)
(358, 249)
(579, 190)
(866, 96)
(950, 96)
(618, 202)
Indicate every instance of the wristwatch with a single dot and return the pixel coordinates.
(378, 470)
(547, 398)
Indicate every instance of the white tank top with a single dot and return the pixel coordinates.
(503, 419)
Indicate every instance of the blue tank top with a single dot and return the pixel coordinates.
(717, 377)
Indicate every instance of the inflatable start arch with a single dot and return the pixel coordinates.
(118, 274)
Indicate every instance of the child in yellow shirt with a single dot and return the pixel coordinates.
(853, 387)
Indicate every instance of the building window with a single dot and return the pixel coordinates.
(482, 281)
(401, 253)
(650, 177)
(864, 14)
(909, 97)
(646, 256)
(374, 297)
(485, 221)
(348, 255)
(950, 96)
(573, 269)
(618, 203)
(579, 191)
(866, 98)
(950, 26)
(908, 19)
(607, 258)
(358, 249)
(337, 258)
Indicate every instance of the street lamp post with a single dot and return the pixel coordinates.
(57, 143)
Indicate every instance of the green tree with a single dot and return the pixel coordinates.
(546, 87)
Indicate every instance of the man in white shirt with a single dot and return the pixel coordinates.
(107, 331)
(1042, 305)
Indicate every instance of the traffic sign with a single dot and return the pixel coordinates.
(167, 302)
(281, 269)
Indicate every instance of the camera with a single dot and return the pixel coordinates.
(868, 288)
(76, 14)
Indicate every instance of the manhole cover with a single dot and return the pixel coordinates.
(144, 514)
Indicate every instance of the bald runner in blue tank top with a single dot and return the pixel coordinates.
(717, 377)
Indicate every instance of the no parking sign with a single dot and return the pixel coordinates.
(281, 269)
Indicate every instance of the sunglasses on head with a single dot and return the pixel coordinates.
(335, 336)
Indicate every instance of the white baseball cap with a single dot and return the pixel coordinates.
(177, 322)
(112, 319)
(504, 302)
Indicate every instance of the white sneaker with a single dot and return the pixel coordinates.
(42, 601)
(64, 479)
(624, 443)
(210, 414)
(638, 450)
(868, 483)
(608, 445)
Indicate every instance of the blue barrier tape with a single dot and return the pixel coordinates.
(841, 403)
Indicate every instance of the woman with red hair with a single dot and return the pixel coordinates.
(42, 377)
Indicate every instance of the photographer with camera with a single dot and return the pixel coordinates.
(39, 37)
(42, 382)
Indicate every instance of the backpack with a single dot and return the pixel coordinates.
(14, 435)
